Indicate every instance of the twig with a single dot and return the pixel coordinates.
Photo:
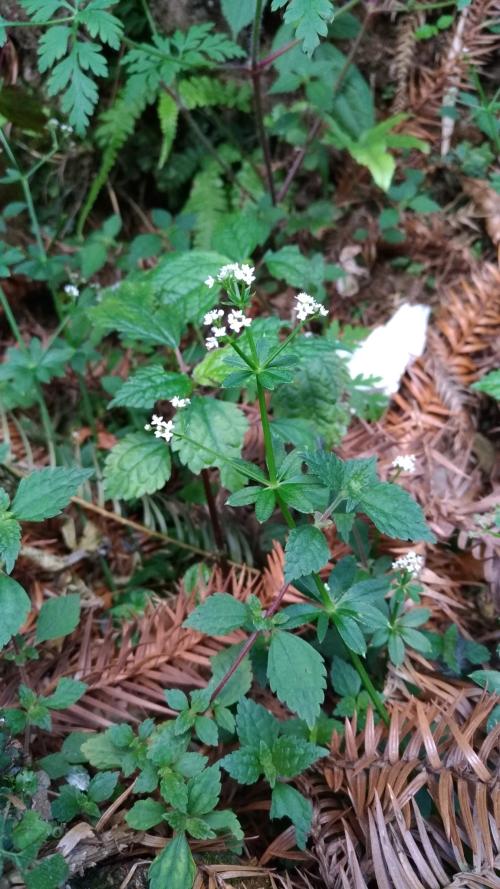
(275, 604)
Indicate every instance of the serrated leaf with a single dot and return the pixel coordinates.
(139, 464)
(206, 730)
(216, 430)
(306, 551)
(176, 699)
(49, 873)
(243, 765)
(150, 384)
(134, 311)
(394, 512)
(296, 673)
(291, 755)
(174, 867)
(168, 114)
(101, 23)
(345, 678)
(52, 46)
(14, 608)
(489, 384)
(174, 790)
(102, 786)
(68, 692)
(238, 13)
(218, 615)
(239, 683)
(255, 724)
(488, 679)
(46, 492)
(10, 541)
(310, 19)
(287, 802)
(58, 617)
(145, 814)
(204, 791)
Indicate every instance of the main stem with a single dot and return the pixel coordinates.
(256, 73)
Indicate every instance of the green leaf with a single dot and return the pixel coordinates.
(204, 791)
(291, 756)
(394, 512)
(488, 679)
(168, 114)
(218, 615)
(102, 24)
(150, 384)
(176, 699)
(255, 724)
(145, 814)
(206, 730)
(286, 802)
(174, 867)
(243, 765)
(102, 786)
(345, 678)
(296, 673)
(290, 265)
(49, 873)
(139, 464)
(136, 312)
(216, 430)
(14, 608)
(306, 551)
(396, 648)
(265, 505)
(44, 493)
(239, 683)
(58, 617)
(68, 692)
(310, 19)
(489, 384)
(238, 14)
(10, 540)
(30, 831)
(174, 790)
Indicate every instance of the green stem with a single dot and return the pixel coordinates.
(150, 20)
(266, 429)
(368, 684)
(23, 179)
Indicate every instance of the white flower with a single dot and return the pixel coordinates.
(212, 316)
(71, 290)
(405, 462)
(237, 321)
(65, 128)
(307, 306)
(411, 562)
(210, 281)
(162, 428)
(179, 402)
(243, 273)
(211, 342)
(219, 332)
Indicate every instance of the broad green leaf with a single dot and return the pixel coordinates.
(206, 730)
(58, 617)
(139, 464)
(14, 608)
(46, 492)
(243, 765)
(218, 615)
(174, 790)
(174, 867)
(488, 679)
(179, 282)
(296, 673)
(204, 791)
(176, 699)
(49, 873)
(225, 821)
(238, 14)
(212, 370)
(394, 512)
(134, 312)
(239, 683)
(287, 802)
(214, 433)
(68, 692)
(290, 265)
(10, 541)
(102, 786)
(489, 384)
(306, 551)
(291, 755)
(345, 678)
(150, 384)
(378, 159)
(145, 814)
(255, 724)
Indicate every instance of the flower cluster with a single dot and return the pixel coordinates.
(307, 306)
(162, 428)
(236, 321)
(72, 290)
(233, 271)
(405, 462)
(411, 562)
(179, 402)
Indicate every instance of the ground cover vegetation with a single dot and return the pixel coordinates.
(248, 601)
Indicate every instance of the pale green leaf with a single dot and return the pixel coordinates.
(296, 673)
(44, 493)
(58, 617)
(174, 866)
(139, 464)
(489, 384)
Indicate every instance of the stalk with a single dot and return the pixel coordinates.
(256, 72)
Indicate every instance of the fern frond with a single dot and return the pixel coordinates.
(208, 201)
(168, 114)
(204, 92)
